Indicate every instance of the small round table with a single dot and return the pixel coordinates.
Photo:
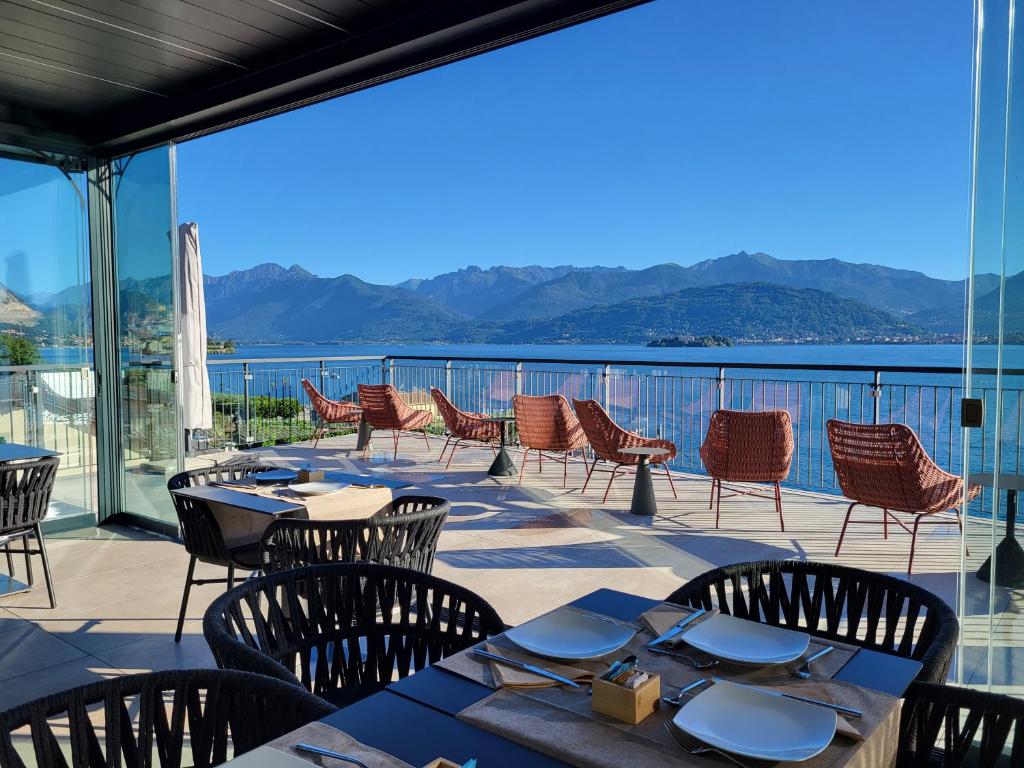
(1009, 555)
(643, 489)
(502, 465)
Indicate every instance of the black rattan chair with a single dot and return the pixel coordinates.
(344, 630)
(25, 488)
(942, 726)
(201, 533)
(200, 717)
(404, 534)
(848, 605)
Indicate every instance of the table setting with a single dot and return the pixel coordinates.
(675, 687)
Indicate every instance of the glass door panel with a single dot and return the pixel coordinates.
(143, 214)
(991, 652)
(47, 382)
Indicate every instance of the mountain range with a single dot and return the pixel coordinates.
(746, 296)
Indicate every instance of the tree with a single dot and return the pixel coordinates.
(17, 350)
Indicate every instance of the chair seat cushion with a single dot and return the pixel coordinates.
(247, 556)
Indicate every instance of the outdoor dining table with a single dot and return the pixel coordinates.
(19, 452)
(415, 719)
(502, 465)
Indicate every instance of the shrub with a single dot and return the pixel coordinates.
(260, 406)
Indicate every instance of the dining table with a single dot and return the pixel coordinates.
(423, 717)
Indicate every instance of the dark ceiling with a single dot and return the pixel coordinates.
(110, 76)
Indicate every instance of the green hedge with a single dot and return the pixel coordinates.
(260, 407)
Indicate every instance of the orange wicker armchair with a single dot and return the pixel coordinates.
(546, 424)
(607, 438)
(885, 466)
(384, 409)
(462, 426)
(330, 411)
(748, 447)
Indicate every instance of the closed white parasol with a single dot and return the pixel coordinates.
(196, 405)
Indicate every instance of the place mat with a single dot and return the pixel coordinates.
(321, 735)
(509, 677)
(560, 722)
(661, 617)
(352, 503)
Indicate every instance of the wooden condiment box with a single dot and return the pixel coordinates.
(310, 475)
(442, 763)
(625, 704)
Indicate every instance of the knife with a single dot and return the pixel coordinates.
(525, 667)
(848, 711)
(676, 628)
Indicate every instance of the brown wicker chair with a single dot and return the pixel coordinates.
(546, 424)
(330, 411)
(885, 466)
(384, 409)
(607, 438)
(462, 426)
(748, 447)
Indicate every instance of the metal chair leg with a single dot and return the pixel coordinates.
(885, 524)
(913, 546)
(28, 561)
(231, 577)
(590, 472)
(522, 465)
(452, 454)
(184, 598)
(611, 480)
(718, 503)
(46, 566)
(846, 522)
(671, 484)
(441, 457)
(426, 440)
(711, 499)
(778, 507)
(10, 560)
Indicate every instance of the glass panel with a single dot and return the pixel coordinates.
(46, 375)
(989, 656)
(143, 243)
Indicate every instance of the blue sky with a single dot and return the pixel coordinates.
(676, 131)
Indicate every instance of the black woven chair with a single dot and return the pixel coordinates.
(200, 717)
(942, 726)
(848, 605)
(201, 533)
(345, 630)
(25, 488)
(404, 533)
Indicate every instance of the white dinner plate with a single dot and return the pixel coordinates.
(273, 476)
(748, 722)
(567, 634)
(319, 488)
(746, 642)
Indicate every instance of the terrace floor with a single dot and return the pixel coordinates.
(525, 548)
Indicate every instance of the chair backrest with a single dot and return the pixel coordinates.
(200, 531)
(356, 628)
(403, 534)
(318, 401)
(383, 407)
(25, 489)
(547, 423)
(200, 717)
(452, 416)
(882, 465)
(848, 605)
(943, 726)
(749, 445)
(605, 436)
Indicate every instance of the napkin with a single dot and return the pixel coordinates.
(660, 620)
(822, 693)
(510, 677)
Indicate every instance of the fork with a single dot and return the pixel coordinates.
(688, 659)
(694, 747)
(804, 671)
(676, 700)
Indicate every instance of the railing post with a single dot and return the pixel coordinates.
(721, 388)
(391, 371)
(606, 386)
(39, 438)
(323, 378)
(246, 378)
(876, 396)
(518, 384)
(448, 379)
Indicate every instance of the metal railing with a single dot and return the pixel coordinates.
(261, 401)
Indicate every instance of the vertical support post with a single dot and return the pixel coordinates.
(391, 371)
(323, 379)
(606, 386)
(246, 395)
(721, 388)
(383, 370)
(876, 396)
(519, 379)
(448, 379)
(38, 433)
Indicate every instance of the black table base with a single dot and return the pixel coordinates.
(643, 491)
(363, 438)
(1009, 555)
(502, 465)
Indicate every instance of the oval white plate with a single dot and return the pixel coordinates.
(570, 635)
(273, 476)
(752, 723)
(318, 488)
(746, 642)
